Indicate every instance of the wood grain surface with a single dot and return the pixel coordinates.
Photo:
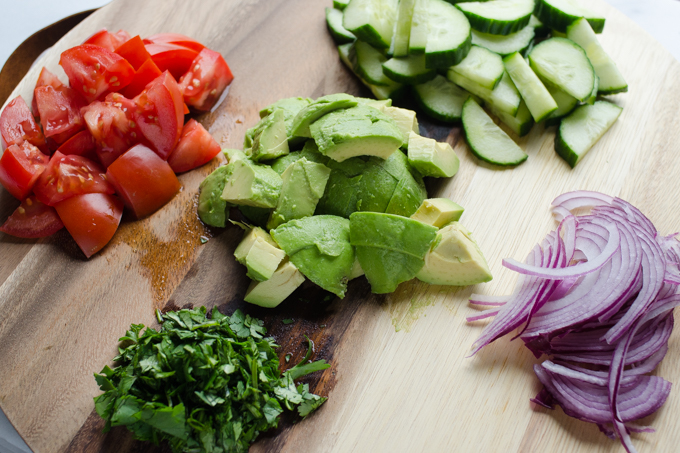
(399, 379)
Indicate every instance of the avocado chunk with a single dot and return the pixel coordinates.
(407, 197)
(256, 216)
(454, 259)
(309, 152)
(376, 187)
(280, 285)
(248, 183)
(317, 109)
(390, 248)
(356, 271)
(405, 119)
(233, 155)
(432, 158)
(271, 139)
(212, 209)
(356, 131)
(438, 212)
(319, 246)
(259, 253)
(304, 183)
(375, 103)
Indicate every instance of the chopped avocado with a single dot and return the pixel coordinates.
(212, 209)
(356, 131)
(405, 119)
(304, 183)
(309, 152)
(251, 184)
(375, 103)
(233, 155)
(376, 187)
(280, 285)
(356, 271)
(259, 253)
(291, 107)
(454, 259)
(390, 248)
(432, 158)
(341, 195)
(256, 216)
(407, 197)
(319, 246)
(317, 109)
(271, 139)
(438, 212)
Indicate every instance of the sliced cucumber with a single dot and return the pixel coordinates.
(611, 79)
(520, 124)
(498, 17)
(367, 63)
(371, 21)
(448, 38)
(504, 97)
(481, 66)
(537, 98)
(559, 14)
(540, 28)
(344, 51)
(340, 4)
(566, 103)
(392, 90)
(583, 128)
(564, 63)
(441, 99)
(505, 45)
(403, 30)
(338, 32)
(487, 141)
(593, 94)
(409, 70)
(419, 27)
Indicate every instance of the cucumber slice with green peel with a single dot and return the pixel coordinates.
(593, 94)
(520, 124)
(611, 80)
(564, 63)
(583, 128)
(559, 14)
(540, 28)
(419, 27)
(367, 63)
(392, 90)
(403, 30)
(481, 66)
(371, 21)
(338, 32)
(537, 98)
(344, 51)
(505, 45)
(557, 34)
(409, 70)
(504, 97)
(448, 38)
(566, 104)
(340, 4)
(487, 141)
(498, 17)
(441, 99)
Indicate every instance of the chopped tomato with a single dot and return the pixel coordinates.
(17, 124)
(94, 71)
(81, 144)
(109, 41)
(196, 147)
(92, 219)
(159, 114)
(111, 124)
(146, 73)
(144, 181)
(59, 110)
(32, 219)
(134, 52)
(67, 176)
(171, 57)
(205, 81)
(46, 78)
(20, 168)
(174, 38)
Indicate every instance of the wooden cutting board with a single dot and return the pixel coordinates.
(399, 379)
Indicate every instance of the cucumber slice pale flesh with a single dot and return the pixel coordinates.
(371, 21)
(487, 141)
(583, 128)
(403, 31)
(565, 105)
(481, 66)
(504, 97)
(392, 90)
(559, 14)
(367, 63)
(340, 4)
(409, 70)
(505, 45)
(441, 99)
(338, 32)
(498, 17)
(520, 124)
(537, 98)
(419, 28)
(448, 38)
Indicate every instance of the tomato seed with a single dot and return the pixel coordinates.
(97, 66)
(196, 83)
(113, 79)
(92, 91)
(29, 202)
(21, 210)
(132, 124)
(82, 180)
(197, 67)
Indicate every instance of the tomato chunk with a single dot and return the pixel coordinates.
(174, 38)
(111, 124)
(159, 114)
(196, 147)
(44, 79)
(67, 176)
(20, 168)
(146, 73)
(134, 52)
(59, 110)
(32, 219)
(171, 57)
(17, 124)
(144, 181)
(81, 144)
(109, 41)
(92, 219)
(94, 71)
(205, 81)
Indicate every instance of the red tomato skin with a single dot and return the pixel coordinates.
(68, 176)
(205, 81)
(174, 38)
(59, 111)
(17, 124)
(196, 147)
(81, 144)
(92, 219)
(146, 74)
(143, 180)
(107, 40)
(32, 219)
(44, 79)
(134, 52)
(159, 114)
(171, 57)
(94, 71)
(20, 168)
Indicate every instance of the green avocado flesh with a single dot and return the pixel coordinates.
(259, 253)
(319, 246)
(280, 285)
(317, 109)
(271, 140)
(309, 151)
(432, 158)
(438, 212)
(212, 209)
(251, 184)
(290, 107)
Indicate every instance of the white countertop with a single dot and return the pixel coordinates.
(660, 18)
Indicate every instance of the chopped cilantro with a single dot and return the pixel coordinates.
(204, 239)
